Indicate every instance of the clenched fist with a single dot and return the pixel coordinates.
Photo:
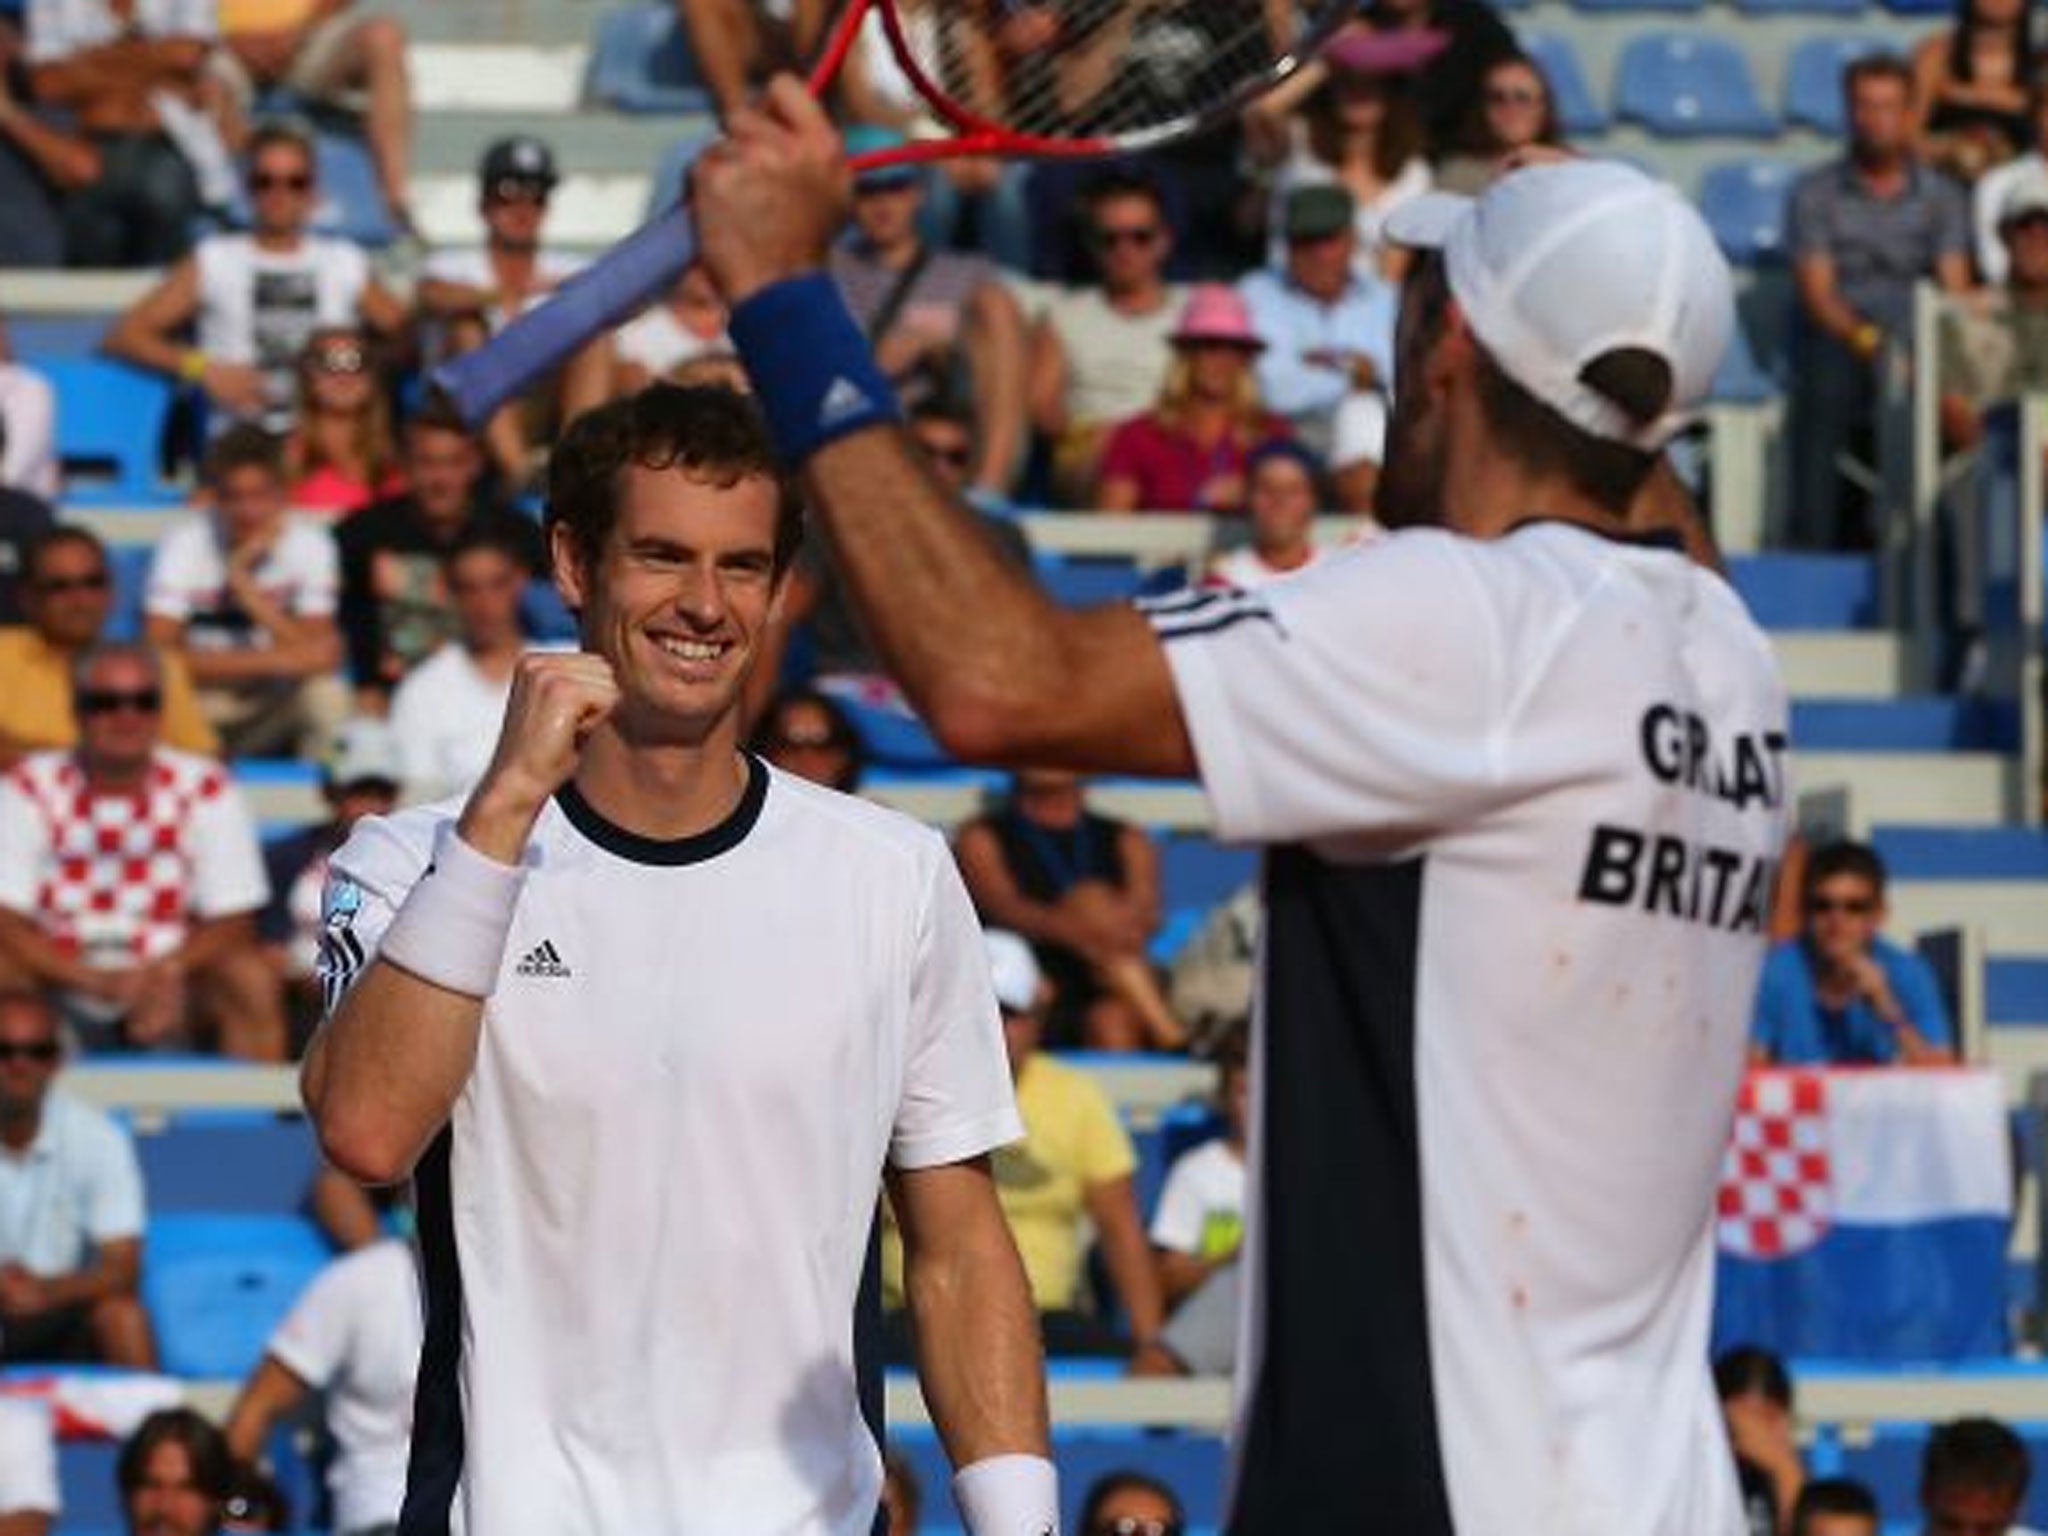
(557, 701)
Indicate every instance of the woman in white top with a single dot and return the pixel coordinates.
(1348, 118)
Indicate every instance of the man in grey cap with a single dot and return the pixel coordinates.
(471, 292)
(1482, 1243)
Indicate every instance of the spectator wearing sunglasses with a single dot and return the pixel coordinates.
(343, 454)
(1840, 993)
(1131, 1503)
(130, 878)
(71, 1209)
(1100, 351)
(251, 301)
(67, 595)
(469, 293)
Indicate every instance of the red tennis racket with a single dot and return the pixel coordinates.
(1030, 78)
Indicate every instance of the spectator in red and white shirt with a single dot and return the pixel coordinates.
(248, 592)
(130, 878)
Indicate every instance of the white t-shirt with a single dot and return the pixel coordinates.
(59, 28)
(1201, 1207)
(644, 1226)
(656, 340)
(188, 581)
(28, 412)
(446, 716)
(471, 267)
(260, 306)
(77, 1186)
(1525, 800)
(28, 1459)
(1242, 567)
(355, 1335)
(1115, 362)
(118, 879)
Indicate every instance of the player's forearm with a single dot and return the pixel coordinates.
(978, 1354)
(383, 1074)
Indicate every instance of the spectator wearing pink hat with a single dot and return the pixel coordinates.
(1349, 118)
(1187, 454)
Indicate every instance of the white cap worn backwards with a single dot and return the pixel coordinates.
(1557, 265)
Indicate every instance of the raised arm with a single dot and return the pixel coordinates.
(997, 670)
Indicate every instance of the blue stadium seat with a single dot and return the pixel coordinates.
(1578, 111)
(1082, 581)
(640, 62)
(1197, 872)
(1741, 380)
(228, 1160)
(111, 420)
(1744, 203)
(1689, 85)
(1638, 7)
(217, 1286)
(1813, 79)
(130, 570)
(1802, 7)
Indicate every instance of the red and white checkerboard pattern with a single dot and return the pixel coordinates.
(1776, 1194)
(118, 879)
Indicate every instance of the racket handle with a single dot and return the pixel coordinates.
(595, 299)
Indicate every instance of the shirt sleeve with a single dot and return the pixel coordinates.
(366, 883)
(1177, 1223)
(1103, 1148)
(26, 840)
(1952, 227)
(1985, 199)
(28, 1459)
(313, 1340)
(958, 1101)
(1806, 224)
(319, 577)
(1362, 693)
(1919, 994)
(228, 863)
(167, 593)
(114, 1206)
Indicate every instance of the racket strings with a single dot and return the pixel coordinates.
(1114, 69)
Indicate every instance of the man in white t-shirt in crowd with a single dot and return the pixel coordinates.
(684, 324)
(29, 1500)
(354, 1337)
(1196, 1231)
(1545, 730)
(648, 1023)
(130, 877)
(71, 1211)
(1099, 352)
(249, 302)
(246, 591)
(1282, 490)
(1328, 326)
(469, 293)
(446, 713)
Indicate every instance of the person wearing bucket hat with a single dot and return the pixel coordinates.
(1519, 774)
(1187, 453)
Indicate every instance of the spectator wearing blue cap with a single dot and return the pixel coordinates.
(942, 323)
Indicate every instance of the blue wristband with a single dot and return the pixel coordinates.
(813, 370)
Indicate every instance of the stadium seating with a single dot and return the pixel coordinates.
(1689, 85)
(640, 62)
(111, 421)
(1744, 202)
(1578, 111)
(216, 1161)
(1813, 78)
(217, 1285)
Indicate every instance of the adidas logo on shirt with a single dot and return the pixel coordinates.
(543, 960)
(843, 399)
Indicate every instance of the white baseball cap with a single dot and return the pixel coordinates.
(363, 750)
(1013, 969)
(1556, 265)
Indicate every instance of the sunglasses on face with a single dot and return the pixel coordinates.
(1855, 906)
(1133, 1525)
(57, 586)
(106, 701)
(509, 190)
(272, 181)
(341, 358)
(1108, 237)
(42, 1050)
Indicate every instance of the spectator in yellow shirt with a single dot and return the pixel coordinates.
(67, 593)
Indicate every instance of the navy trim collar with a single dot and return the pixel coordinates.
(673, 851)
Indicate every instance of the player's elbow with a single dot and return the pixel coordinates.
(977, 725)
(366, 1146)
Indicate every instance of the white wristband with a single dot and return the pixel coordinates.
(1009, 1496)
(452, 929)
